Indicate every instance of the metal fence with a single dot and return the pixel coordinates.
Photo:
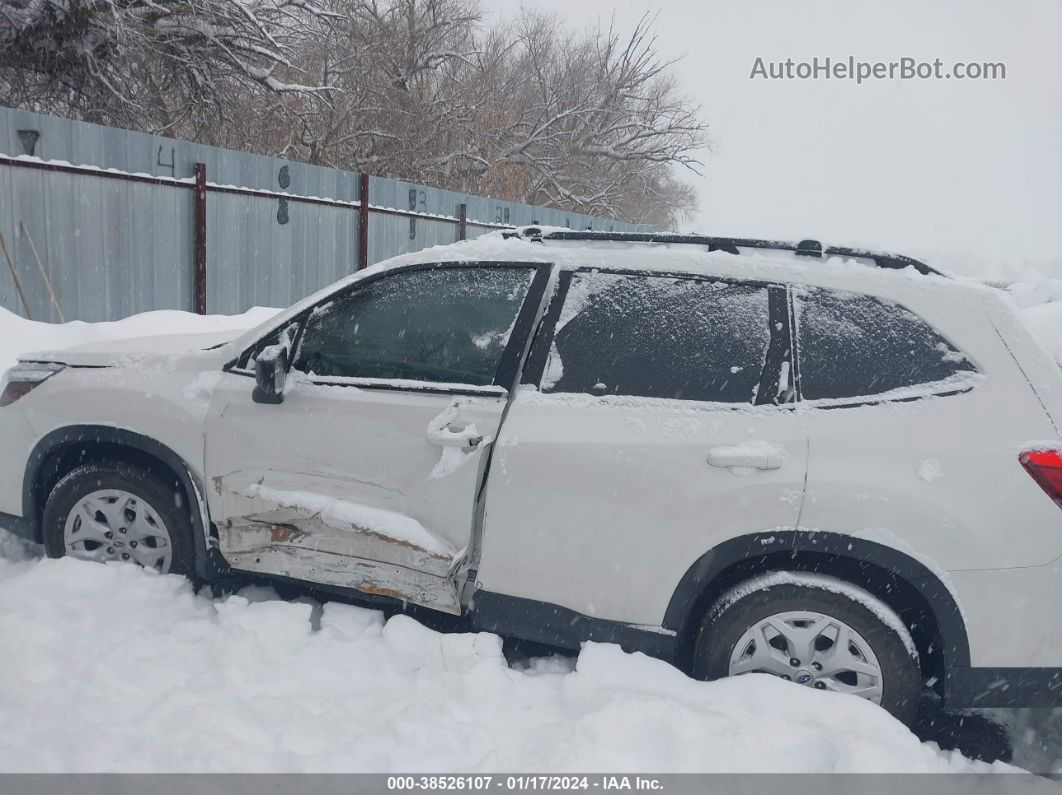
(98, 223)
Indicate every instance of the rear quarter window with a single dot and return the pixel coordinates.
(852, 345)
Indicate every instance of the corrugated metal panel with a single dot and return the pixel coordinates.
(84, 144)
(110, 247)
(391, 234)
(253, 260)
(114, 247)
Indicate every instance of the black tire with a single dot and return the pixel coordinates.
(726, 622)
(165, 496)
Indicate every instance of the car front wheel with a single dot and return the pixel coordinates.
(119, 512)
(815, 631)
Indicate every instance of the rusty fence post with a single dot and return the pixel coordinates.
(462, 221)
(200, 239)
(363, 221)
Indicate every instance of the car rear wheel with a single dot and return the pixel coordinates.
(815, 631)
(119, 512)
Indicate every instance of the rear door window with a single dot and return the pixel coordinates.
(852, 345)
(659, 337)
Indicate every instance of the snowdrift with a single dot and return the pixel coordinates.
(114, 668)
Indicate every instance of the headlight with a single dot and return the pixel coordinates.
(23, 377)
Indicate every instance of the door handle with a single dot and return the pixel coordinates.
(467, 438)
(751, 455)
(441, 433)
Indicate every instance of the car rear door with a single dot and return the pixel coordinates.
(654, 423)
(366, 475)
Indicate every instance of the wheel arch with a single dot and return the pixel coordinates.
(926, 605)
(59, 451)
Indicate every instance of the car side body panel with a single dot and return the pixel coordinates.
(632, 500)
(162, 398)
(1011, 615)
(363, 499)
(19, 441)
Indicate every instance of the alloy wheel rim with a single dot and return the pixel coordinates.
(812, 649)
(112, 524)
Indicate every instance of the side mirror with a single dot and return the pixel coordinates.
(270, 374)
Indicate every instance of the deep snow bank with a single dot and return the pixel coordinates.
(110, 667)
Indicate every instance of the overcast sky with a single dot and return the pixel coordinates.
(930, 167)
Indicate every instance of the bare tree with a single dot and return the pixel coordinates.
(601, 124)
(137, 62)
(422, 90)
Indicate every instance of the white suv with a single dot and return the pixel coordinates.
(825, 464)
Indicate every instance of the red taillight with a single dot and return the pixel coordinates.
(1045, 466)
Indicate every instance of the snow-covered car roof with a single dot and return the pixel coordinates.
(727, 258)
(731, 245)
(767, 260)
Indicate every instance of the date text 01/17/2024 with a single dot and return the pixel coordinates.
(522, 782)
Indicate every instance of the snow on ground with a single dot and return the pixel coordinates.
(112, 668)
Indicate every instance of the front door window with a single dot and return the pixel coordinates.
(442, 326)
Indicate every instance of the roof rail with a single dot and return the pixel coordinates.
(731, 245)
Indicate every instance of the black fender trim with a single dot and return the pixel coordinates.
(206, 561)
(553, 625)
(1004, 687)
(956, 644)
(18, 525)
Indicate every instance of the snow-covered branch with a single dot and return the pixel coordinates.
(418, 89)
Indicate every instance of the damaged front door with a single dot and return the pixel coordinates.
(366, 475)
